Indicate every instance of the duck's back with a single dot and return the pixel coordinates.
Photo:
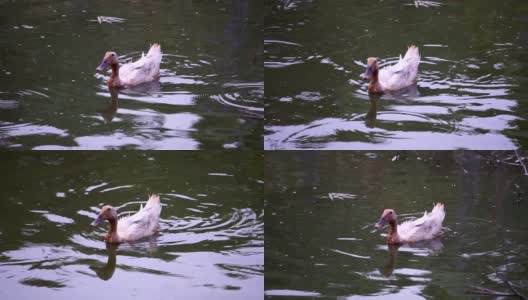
(143, 223)
(143, 70)
(427, 227)
(403, 73)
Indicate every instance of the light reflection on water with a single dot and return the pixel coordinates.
(184, 250)
(211, 240)
(320, 245)
(468, 97)
(472, 117)
(52, 98)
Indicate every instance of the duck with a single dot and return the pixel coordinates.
(142, 224)
(393, 78)
(146, 69)
(428, 227)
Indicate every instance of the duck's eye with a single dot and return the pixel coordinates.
(108, 209)
(390, 212)
(113, 54)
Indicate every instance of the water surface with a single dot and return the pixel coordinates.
(321, 208)
(211, 240)
(209, 95)
(471, 91)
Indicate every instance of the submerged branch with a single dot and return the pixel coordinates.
(485, 291)
(522, 163)
(510, 285)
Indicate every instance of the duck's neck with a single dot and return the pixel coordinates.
(374, 86)
(393, 233)
(112, 236)
(114, 78)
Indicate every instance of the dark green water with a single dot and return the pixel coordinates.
(242, 75)
(210, 91)
(321, 208)
(212, 226)
(472, 84)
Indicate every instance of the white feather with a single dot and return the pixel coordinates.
(427, 227)
(141, 224)
(143, 70)
(403, 74)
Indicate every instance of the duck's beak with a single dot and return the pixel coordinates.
(382, 222)
(367, 74)
(102, 66)
(98, 221)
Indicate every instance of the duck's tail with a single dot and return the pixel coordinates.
(155, 49)
(154, 198)
(438, 212)
(412, 53)
(438, 207)
(153, 202)
(411, 61)
(154, 58)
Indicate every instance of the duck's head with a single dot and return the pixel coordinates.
(107, 213)
(109, 59)
(372, 66)
(388, 216)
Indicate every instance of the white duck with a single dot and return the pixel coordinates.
(143, 70)
(425, 228)
(139, 225)
(395, 77)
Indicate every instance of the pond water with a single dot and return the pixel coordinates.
(321, 208)
(212, 226)
(209, 95)
(472, 86)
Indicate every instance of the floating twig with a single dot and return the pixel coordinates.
(510, 285)
(340, 196)
(521, 162)
(420, 3)
(485, 291)
(106, 19)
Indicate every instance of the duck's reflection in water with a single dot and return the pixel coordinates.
(422, 248)
(146, 89)
(107, 271)
(370, 120)
(109, 112)
(409, 92)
